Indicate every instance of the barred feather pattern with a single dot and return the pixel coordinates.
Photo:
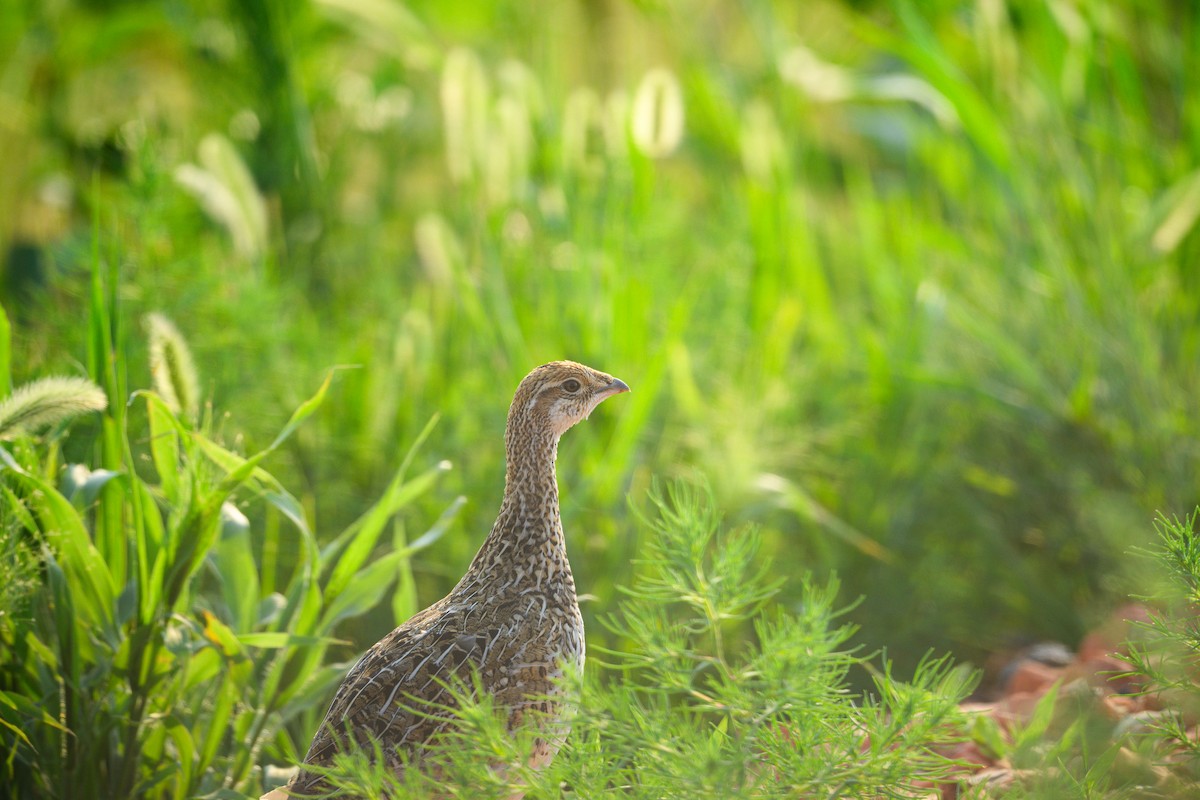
(513, 619)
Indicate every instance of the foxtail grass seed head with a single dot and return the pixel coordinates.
(616, 125)
(510, 153)
(497, 173)
(517, 230)
(223, 186)
(764, 154)
(910, 89)
(353, 91)
(1182, 217)
(245, 125)
(998, 44)
(518, 81)
(390, 108)
(372, 112)
(438, 249)
(386, 27)
(657, 123)
(820, 80)
(580, 117)
(172, 368)
(465, 98)
(552, 203)
(46, 402)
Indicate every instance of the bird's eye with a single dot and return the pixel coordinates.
(571, 386)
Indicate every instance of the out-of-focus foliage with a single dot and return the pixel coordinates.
(912, 283)
(149, 645)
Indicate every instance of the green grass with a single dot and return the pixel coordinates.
(914, 292)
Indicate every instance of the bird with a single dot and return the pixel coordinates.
(511, 625)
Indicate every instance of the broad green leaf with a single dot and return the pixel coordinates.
(274, 492)
(17, 710)
(246, 469)
(273, 640)
(306, 409)
(189, 541)
(185, 755)
(220, 636)
(314, 692)
(218, 723)
(83, 485)
(364, 532)
(44, 653)
(404, 599)
(301, 611)
(198, 530)
(148, 547)
(233, 561)
(18, 508)
(165, 432)
(406, 462)
(270, 608)
(1039, 722)
(290, 507)
(65, 532)
(438, 529)
(364, 592)
(231, 461)
(201, 668)
(71, 661)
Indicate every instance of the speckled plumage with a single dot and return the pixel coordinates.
(514, 616)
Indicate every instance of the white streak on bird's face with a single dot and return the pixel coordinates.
(568, 393)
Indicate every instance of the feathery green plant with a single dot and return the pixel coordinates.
(915, 286)
(694, 706)
(172, 368)
(1166, 651)
(48, 401)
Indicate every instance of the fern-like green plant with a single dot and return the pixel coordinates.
(1166, 651)
(715, 692)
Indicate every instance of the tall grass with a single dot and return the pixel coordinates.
(912, 289)
(154, 644)
(151, 646)
(694, 707)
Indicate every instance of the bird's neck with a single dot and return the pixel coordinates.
(529, 512)
(527, 538)
(529, 462)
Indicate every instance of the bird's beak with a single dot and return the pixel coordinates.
(615, 386)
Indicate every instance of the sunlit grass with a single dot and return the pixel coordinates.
(913, 289)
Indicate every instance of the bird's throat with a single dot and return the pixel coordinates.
(528, 527)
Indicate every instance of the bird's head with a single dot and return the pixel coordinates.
(557, 395)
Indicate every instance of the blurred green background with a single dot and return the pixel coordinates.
(913, 285)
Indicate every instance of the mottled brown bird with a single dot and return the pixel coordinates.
(514, 617)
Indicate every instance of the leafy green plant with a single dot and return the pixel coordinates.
(916, 286)
(717, 691)
(146, 649)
